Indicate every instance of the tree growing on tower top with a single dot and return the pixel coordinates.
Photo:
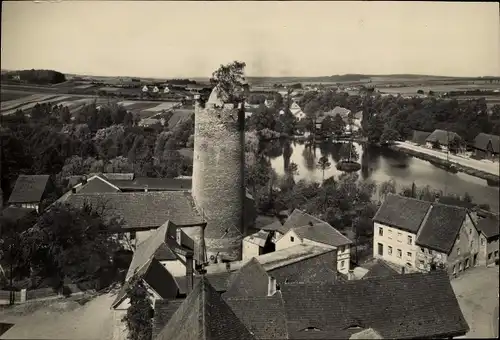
(230, 82)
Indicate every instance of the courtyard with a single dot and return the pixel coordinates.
(476, 291)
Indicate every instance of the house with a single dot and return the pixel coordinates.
(319, 310)
(303, 228)
(207, 315)
(143, 212)
(444, 139)
(416, 235)
(487, 146)
(257, 244)
(337, 110)
(489, 238)
(420, 137)
(297, 111)
(29, 191)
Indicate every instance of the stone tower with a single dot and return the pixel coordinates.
(218, 175)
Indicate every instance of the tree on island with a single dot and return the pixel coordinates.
(348, 152)
(323, 164)
(230, 82)
(140, 313)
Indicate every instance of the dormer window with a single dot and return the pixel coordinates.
(311, 328)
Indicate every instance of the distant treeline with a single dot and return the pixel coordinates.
(181, 81)
(36, 76)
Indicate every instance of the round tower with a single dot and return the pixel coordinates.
(218, 175)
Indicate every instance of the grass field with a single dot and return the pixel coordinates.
(6, 96)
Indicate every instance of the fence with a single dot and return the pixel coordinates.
(40, 294)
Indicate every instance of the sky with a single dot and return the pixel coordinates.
(191, 39)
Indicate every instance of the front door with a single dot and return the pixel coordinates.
(474, 260)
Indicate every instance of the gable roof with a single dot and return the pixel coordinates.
(143, 210)
(322, 233)
(259, 238)
(97, 184)
(442, 136)
(420, 137)
(251, 281)
(164, 309)
(29, 189)
(402, 212)
(156, 277)
(481, 142)
(264, 316)
(299, 218)
(400, 306)
(441, 227)
(159, 245)
(157, 184)
(204, 315)
(380, 269)
(489, 226)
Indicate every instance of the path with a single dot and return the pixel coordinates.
(476, 291)
(485, 166)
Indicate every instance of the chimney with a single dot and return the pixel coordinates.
(350, 275)
(146, 188)
(271, 286)
(178, 237)
(189, 272)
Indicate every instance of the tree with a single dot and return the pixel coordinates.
(67, 242)
(328, 126)
(348, 152)
(338, 125)
(385, 188)
(139, 315)
(389, 135)
(323, 164)
(230, 80)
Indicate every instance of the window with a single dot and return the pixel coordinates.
(390, 234)
(458, 251)
(400, 253)
(489, 256)
(342, 249)
(460, 266)
(454, 269)
(421, 264)
(380, 231)
(292, 239)
(380, 249)
(410, 240)
(399, 237)
(389, 250)
(408, 254)
(482, 241)
(132, 235)
(466, 263)
(470, 230)
(430, 252)
(408, 264)
(342, 264)
(496, 253)
(422, 250)
(471, 243)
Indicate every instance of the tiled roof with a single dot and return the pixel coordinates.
(220, 281)
(319, 268)
(204, 315)
(251, 281)
(442, 136)
(441, 227)
(420, 137)
(29, 189)
(402, 212)
(157, 277)
(298, 218)
(263, 316)
(164, 309)
(489, 226)
(380, 269)
(155, 246)
(275, 226)
(143, 210)
(401, 306)
(322, 233)
(97, 185)
(481, 142)
(259, 238)
(156, 184)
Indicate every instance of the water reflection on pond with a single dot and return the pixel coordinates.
(379, 165)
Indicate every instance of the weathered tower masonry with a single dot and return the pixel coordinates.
(218, 175)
